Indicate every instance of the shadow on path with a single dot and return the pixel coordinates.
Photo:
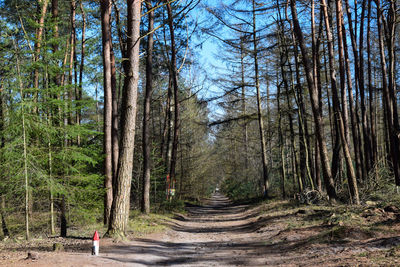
(230, 232)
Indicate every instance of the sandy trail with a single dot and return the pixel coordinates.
(219, 233)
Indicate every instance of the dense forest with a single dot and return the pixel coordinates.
(108, 106)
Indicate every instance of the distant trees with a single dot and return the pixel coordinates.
(337, 126)
(247, 33)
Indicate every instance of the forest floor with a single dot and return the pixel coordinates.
(220, 233)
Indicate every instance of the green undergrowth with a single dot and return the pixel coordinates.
(85, 225)
(169, 206)
(142, 224)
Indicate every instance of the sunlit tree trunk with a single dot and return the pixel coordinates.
(57, 82)
(81, 69)
(361, 171)
(305, 173)
(336, 104)
(107, 143)
(114, 117)
(42, 10)
(314, 104)
(388, 83)
(72, 65)
(122, 187)
(174, 77)
(145, 205)
(361, 82)
(315, 56)
(372, 108)
(25, 156)
(259, 108)
(392, 21)
(168, 124)
(245, 127)
(281, 142)
(4, 227)
(353, 119)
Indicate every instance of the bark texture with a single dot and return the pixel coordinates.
(121, 197)
(105, 6)
(329, 184)
(145, 207)
(174, 77)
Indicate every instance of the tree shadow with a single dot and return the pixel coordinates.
(237, 251)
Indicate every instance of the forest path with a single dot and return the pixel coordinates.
(220, 233)
(217, 233)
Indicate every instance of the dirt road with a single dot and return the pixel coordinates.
(219, 233)
(215, 234)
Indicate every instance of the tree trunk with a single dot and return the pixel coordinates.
(38, 44)
(114, 117)
(281, 141)
(364, 121)
(284, 59)
(259, 108)
(55, 18)
(121, 197)
(391, 46)
(390, 101)
(169, 124)
(342, 74)
(145, 207)
(4, 227)
(317, 71)
(336, 105)
(72, 64)
(63, 218)
(245, 127)
(305, 172)
(315, 56)
(292, 87)
(57, 82)
(107, 142)
(52, 224)
(25, 156)
(81, 68)
(372, 107)
(176, 95)
(314, 104)
(355, 124)
(353, 118)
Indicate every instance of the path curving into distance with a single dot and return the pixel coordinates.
(217, 233)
